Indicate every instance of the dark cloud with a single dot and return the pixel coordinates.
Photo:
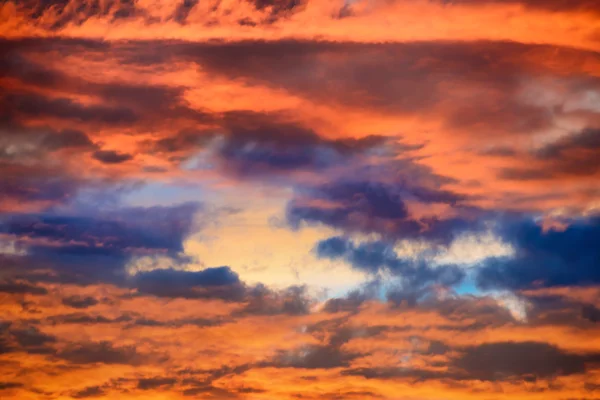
(200, 322)
(219, 282)
(18, 287)
(372, 206)
(100, 352)
(183, 10)
(185, 140)
(31, 337)
(145, 98)
(352, 394)
(545, 5)
(79, 301)
(21, 144)
(369, 256)
(591, 313)
(277, 7)
(34, 165)
(261, 300)
(17, 66)
(91, 391)
(91, 247)
(80, 318)
(197, 386)
(210, 391)
(248, 155)
(551, 258)
(68, 138)
(10, 385)
(354, 299)
(26, 184)
(575, 155)
(333, 247)
(313, 357)
(399, 78)
(56, 15)
(156, 382)
(25, 339)
(114, 233)
(395, 373)
(486, 311)
(497, 362)
(500, 151)
(139, 102)
(586, 139)
(506, 360)
(250, 143)
(371, 198)
(29, 104)
(111, 156)
(329, 354)
(559, 310)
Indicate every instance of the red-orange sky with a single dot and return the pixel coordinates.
(300, 199)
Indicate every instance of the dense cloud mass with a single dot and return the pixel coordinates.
(300, 199)
(557, 257)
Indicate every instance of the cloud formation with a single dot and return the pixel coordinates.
(300, 199)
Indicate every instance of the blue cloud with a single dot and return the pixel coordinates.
(552, 258)
(376, 256)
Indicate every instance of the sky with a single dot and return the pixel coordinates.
(300, 199)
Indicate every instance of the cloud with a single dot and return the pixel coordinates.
(78, 246)
(591, 313)
(15, 287)
(10, 385)
(116, 232)
(551, 258)
(79, 301)
(247, 144)
(574, 155)
(527, 360)
(31, 186)
(552, 5)
(415, 207)
(398, 77)
(92, 391)
(28, 104)
(321, 357)
(372, 206)
(218, 282)
(261, 300)
(375, 257)
(111, 156)
(100, 352)
(22, 144)
(31, 337)
(153, 383)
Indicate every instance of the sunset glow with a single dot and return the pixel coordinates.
(300, 199)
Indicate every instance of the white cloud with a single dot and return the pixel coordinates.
(470, 249)
(514, 304)
(11, 248)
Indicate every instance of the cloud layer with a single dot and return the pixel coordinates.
(312, 199)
